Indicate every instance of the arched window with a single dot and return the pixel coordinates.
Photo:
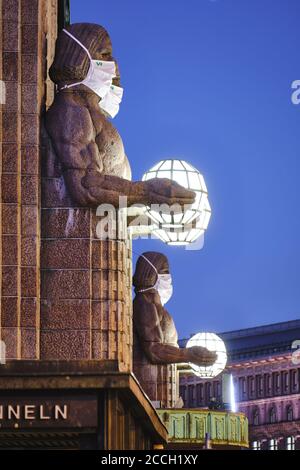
(256, 445)
(191, 396)
(199, 394)
(272, 416)
(290, 443)
(208, 391)
(289, 413)
(273, 444)
(255, 418)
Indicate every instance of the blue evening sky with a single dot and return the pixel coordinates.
(210, 82)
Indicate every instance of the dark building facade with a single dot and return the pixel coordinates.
(66, 374)
(266, 372)
(75, 406)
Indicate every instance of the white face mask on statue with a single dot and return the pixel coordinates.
(164, 287)
(163, 284)
(111, 101)
(100, 75)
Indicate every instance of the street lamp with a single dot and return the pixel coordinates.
(212, 342)
(184, 227)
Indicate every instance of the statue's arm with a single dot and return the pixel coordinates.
(148, 328)
(74, 139)
(151, 336)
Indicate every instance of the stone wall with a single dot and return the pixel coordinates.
(86, 304)
(64, 293)
(28, 33)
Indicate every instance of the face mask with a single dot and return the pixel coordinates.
(163, 284)
(111, 101)
(164, 287)
(100, 74)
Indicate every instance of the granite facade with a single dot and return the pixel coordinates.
(28, 33)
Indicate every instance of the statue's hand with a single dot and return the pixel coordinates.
(166, 191)
(201, 356)
(155, 191)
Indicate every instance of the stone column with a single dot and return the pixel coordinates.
(28, 33)
(86, 304)
(64, 293)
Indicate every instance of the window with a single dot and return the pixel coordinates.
(277, 382)
(255, 445)
(259, 385)
(208, 391)
(182, 392)
(215, 389)
(242, 388)
(272, 415)
(290, 443)
(190, 395)
(268, 384)
(199, 393)
(294, 380)
(255, 418)
(289, 413)
(285, 381)
(273, 444)
(219, 390)
(251, 387)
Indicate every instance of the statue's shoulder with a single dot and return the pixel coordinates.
(68, 119)
(145, 304)
(65, 105)
(138, 301)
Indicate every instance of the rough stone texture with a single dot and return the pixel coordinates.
(160, 382)
(55, 222)
(27, 38)
(9, 311)
(156, 350)
(10, 337)
(28, 313)
(86, 289)
(66, 314)
(64, 293)
(65, 344)
(84, 165)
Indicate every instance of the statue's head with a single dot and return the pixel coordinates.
(145, 275)
(71, 62)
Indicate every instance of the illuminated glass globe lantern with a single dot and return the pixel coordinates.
(214, 343)
(184, 227)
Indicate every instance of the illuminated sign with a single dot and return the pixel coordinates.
(33, 412)
(76, 411)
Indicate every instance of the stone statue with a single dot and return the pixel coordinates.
(88, 150)
(86, 282)
(153, 325)
(155, 347)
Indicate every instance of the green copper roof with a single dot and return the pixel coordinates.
(191, 425)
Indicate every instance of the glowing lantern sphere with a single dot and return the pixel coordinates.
(186, 226)
(212, 342)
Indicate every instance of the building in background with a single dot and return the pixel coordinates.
(266, 372)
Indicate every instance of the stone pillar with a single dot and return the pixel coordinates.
(64, 293)
(28, 33)
(86, 304)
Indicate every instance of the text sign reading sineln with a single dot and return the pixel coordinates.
(33, 412)
(37, 412)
